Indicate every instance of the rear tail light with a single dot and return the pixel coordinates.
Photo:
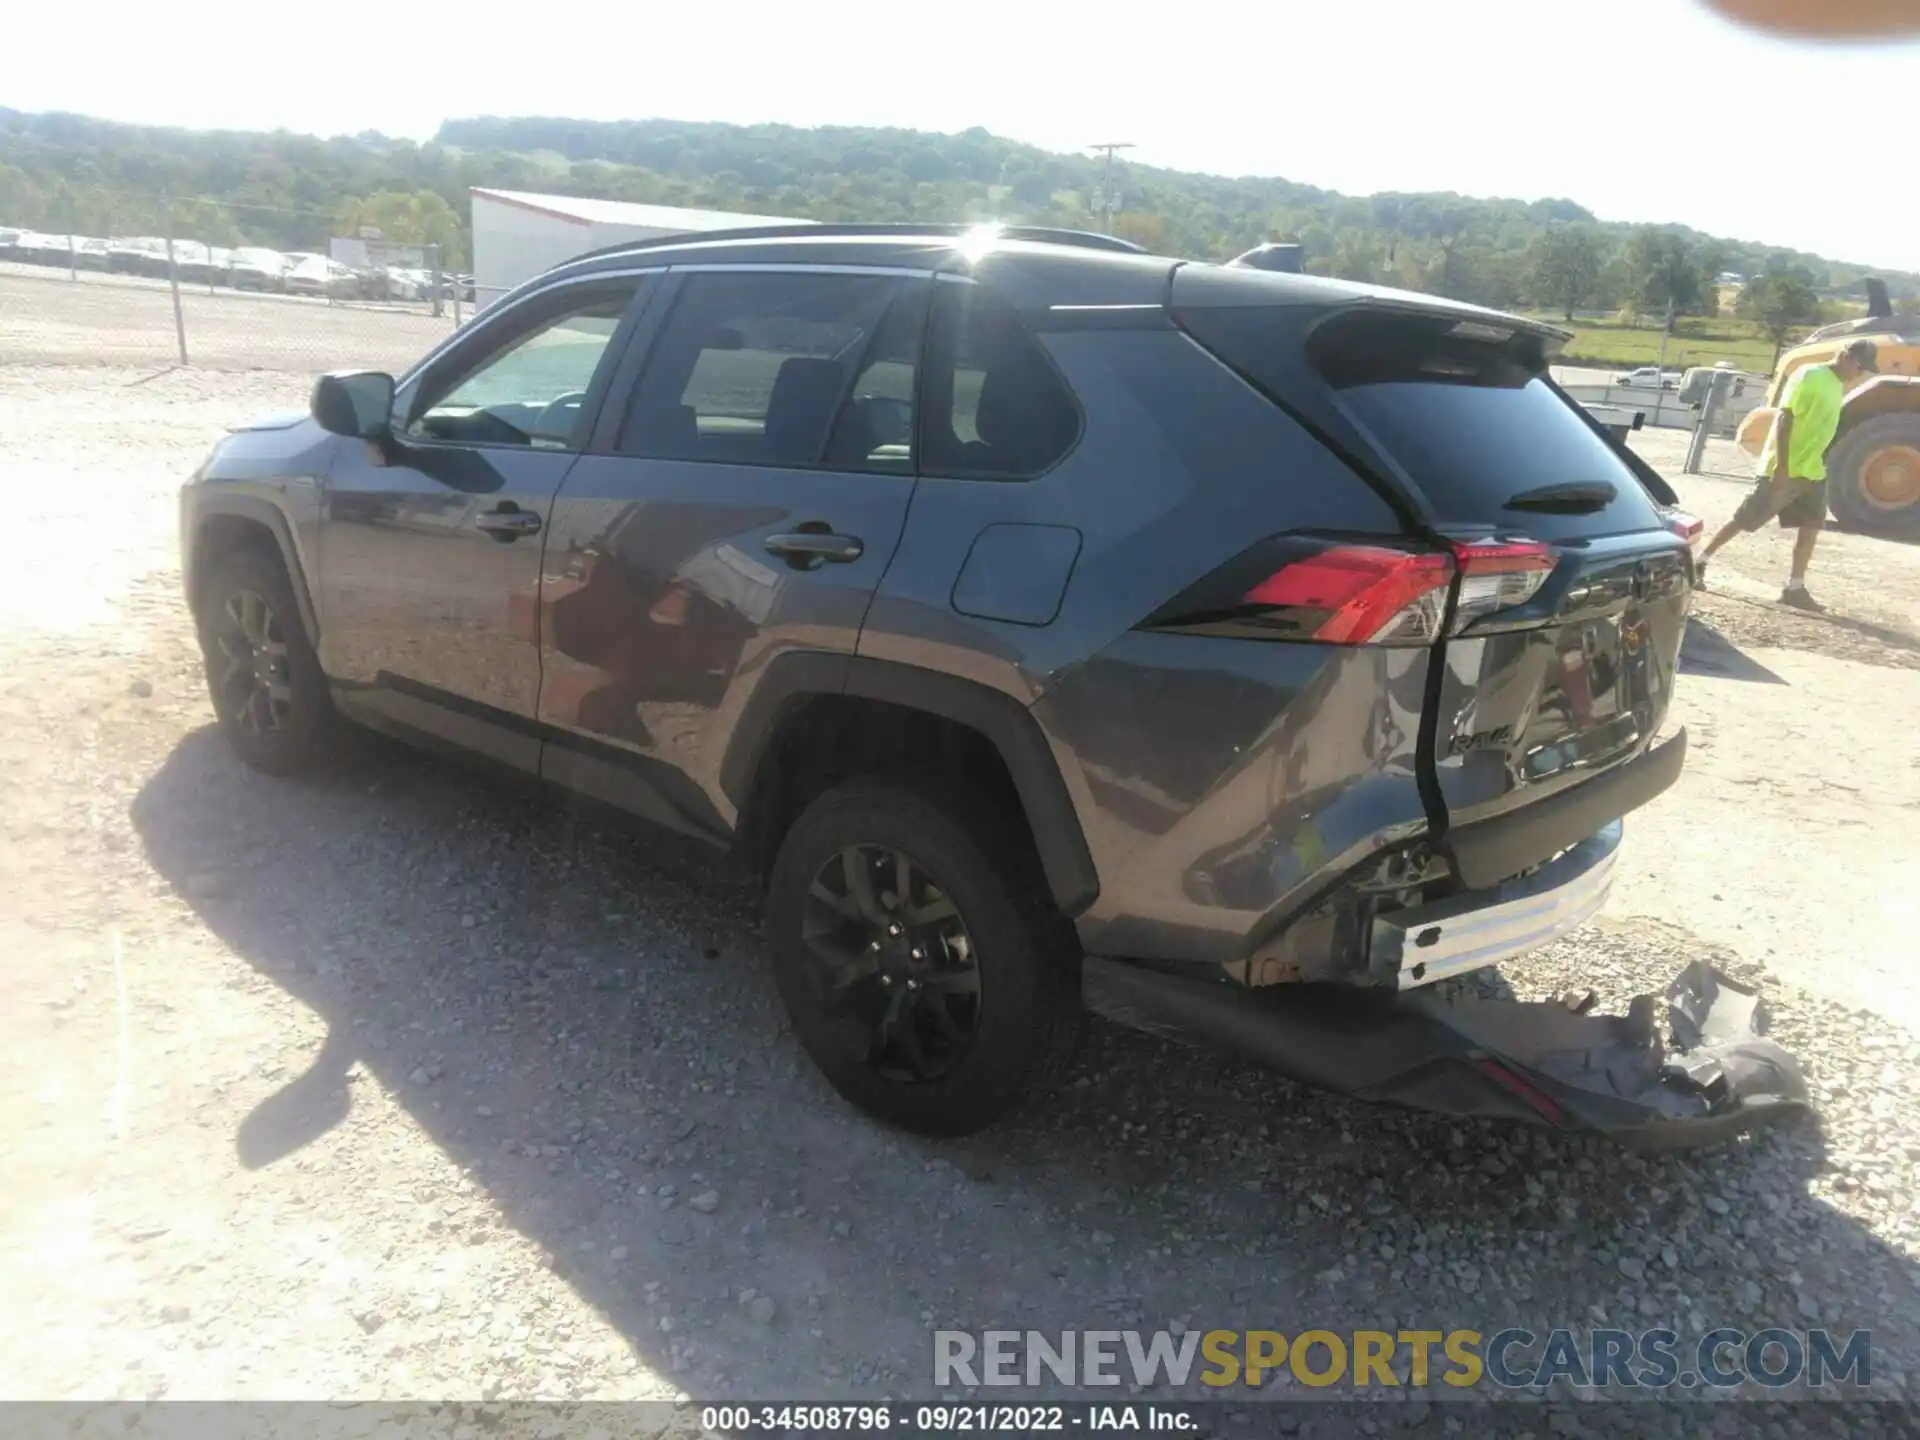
(1333, 593)
(1498, 575)
(1359, 595)
(1684, 524)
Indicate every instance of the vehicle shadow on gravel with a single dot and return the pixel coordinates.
(582, 1020)
(1705, 651)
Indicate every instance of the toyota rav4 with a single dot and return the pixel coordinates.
(1051, 626)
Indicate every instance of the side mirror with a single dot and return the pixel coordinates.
(354, 403)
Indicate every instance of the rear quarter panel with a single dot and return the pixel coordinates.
(1217, 782)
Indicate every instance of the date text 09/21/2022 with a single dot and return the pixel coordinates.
(949, 1418)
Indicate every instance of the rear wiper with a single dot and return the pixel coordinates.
(1579, 497)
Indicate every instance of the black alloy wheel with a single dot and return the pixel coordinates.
(917, 955)
(263, 677)
(894, 965)
(254, 684)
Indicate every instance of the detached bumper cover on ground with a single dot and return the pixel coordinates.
(1713, 1077)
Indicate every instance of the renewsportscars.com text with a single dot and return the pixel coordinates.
(1511, 1358)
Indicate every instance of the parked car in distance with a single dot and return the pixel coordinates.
(1647, 377)
(254, 267)
(193, 262)
(36, 248)
(1047, 624)
(138, 255)
(89, 253)
(394, 282)
(318, 275)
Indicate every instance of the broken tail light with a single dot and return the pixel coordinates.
(1497, 575)
(1330, 592)
(1683, 523)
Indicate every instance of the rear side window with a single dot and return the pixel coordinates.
(1476, 424)
(753, 368)
(995, 408)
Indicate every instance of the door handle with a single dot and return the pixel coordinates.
(810, 549)
(505, 524)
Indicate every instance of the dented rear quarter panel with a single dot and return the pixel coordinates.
(1218, 783)
(1228, 782)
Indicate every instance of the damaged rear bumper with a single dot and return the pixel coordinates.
(1713, 1075)
(1467, 932)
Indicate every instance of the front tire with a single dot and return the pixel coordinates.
(919, 958)
(263, 677)
(1874, 477)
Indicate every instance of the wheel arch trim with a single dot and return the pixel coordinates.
(270, 518)
(1007, 725)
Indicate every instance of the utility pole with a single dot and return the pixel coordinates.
(1108, 198)
(1660, 365)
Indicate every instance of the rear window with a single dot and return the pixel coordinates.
(1474, 421)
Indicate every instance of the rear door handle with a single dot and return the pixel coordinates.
(808, 550)
(507, 524)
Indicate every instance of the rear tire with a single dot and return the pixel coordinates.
(1872, 466)
(1024, 1017)
(263, 677)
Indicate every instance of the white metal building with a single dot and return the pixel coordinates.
(517, 235)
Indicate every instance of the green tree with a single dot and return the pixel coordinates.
(293, 191)
(421, 217)
(1778, 303)
(1143, 228)
(1564, 266)
(1357, 255)
(1488, 275)
(1448, 226)
(1666, 273)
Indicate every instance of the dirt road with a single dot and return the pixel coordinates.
(396, 1085)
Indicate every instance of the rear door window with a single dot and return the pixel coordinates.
(1476, 424)
(754, 368)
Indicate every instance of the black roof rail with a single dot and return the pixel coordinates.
(1042, 234)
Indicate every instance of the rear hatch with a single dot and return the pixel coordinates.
(1555, 664)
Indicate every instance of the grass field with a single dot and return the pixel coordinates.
(1608, 343)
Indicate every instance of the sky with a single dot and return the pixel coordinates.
(1641, 110)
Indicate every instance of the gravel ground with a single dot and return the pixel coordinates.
(397, 1085)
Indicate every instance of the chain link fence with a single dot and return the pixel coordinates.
(223, 286)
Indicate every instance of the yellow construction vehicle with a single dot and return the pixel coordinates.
(1873, 469)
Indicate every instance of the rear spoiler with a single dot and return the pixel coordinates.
(1282, 259)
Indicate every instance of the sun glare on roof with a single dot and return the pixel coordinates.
(976, 242)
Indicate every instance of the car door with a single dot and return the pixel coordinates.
(744, 501)
(430, 545)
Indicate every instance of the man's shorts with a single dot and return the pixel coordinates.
(1802, 502)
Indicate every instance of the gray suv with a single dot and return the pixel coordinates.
(1050, 624)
